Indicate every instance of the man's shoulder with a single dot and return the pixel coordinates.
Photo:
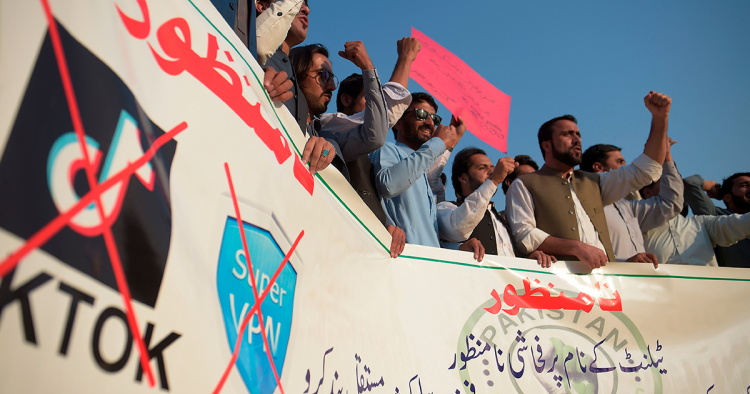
(279, 61)
(586, 175)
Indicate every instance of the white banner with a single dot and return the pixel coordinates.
(136, 137)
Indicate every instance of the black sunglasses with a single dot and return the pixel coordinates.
(324, 76)
(422, 115)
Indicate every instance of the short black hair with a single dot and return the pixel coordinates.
(545, 132)
(521, 160)
(461, 164)
(596, 154)
(728, 184)
(302, 58)
(352, 85)
(419, 97)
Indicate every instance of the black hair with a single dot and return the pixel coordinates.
(302, 58)
(726, 186)
(352, 85)
(419, 97)
(545, 132)
(521, 160)
(461, 164)
(596, 154)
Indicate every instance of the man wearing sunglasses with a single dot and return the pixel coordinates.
(400, 168)
(317, 83)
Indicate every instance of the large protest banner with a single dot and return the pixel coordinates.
(152, 193)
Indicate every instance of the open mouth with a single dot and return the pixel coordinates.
(304, 21)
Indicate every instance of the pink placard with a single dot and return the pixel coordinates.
(465, 93)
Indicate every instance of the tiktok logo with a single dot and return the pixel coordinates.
(44, 173)
(66, 159)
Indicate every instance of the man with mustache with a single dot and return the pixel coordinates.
(561, 211)
(400, 169)
(317, 83)
(473, 215)
(735, 193)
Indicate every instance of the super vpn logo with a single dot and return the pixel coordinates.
(44, 167)
(235, 289)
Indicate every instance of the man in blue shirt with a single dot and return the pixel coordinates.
(400, 168)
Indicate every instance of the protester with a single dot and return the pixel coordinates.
(473, 215)
(735, 192)
(627, 220)
(691, 240)
(351, 104)
(525, 165)
(297, 33)
(561, 211)
(273, 23)
(317, 82)
(400, 168)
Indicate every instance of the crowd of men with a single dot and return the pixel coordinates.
(605, 211)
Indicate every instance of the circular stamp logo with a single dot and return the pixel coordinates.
(581, 346)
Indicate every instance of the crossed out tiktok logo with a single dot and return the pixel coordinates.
(66, 159)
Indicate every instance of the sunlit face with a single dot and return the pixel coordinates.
(298, 31)
(614, 161)
(740, 198)
(413, 132)
(566, 142)
(317, 93)
(480, 169)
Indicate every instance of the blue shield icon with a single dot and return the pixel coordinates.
(234, 283)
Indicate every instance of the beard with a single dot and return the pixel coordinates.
(567, 157)
(741, 203)
(415, 137)
(316, 105)
(475, 183)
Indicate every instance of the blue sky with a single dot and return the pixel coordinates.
(594, 60)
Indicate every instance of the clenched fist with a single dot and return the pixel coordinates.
(504, 166)
(355, 52)
(658, 103)
(408, 48)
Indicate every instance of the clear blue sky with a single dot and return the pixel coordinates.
(594, 60)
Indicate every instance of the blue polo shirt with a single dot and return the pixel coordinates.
(408, 201)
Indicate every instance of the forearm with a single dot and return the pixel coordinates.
(401, 71)
(371, 134)
(396, 178)
(656, 145)
(617, 184)
(459, 222)
(560, 246)
(271, 28)
(654, 212)
(696, 198)
(726, 230)
(433, 176)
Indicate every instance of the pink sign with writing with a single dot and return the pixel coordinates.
(463, 91)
